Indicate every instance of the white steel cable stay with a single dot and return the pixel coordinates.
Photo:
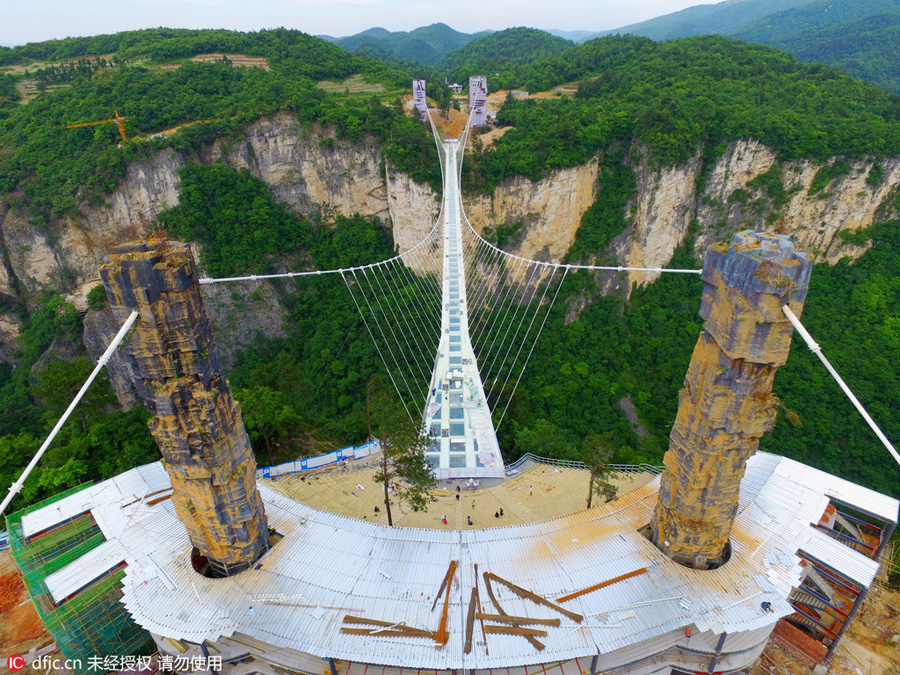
(16, 487)
(405, 334)
(312, 273)
(571, 266)
(817, 350)
(377, 347)
(531, 350)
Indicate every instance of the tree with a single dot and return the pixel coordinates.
(267, 415)
(598, 451)
(402, 450)
(61, 380)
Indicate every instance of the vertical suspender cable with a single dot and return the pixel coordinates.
(533, 343)
(371, 335)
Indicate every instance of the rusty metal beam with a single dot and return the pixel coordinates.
(595, 587)
(470, 620)
(516, 630)
(442, 636)
(450, 570)
(389, 632)
(517, 620)
(537, 644)
(480, 610)
(534, 597)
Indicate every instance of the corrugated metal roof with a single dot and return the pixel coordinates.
(850, 493)
(93, 564)
(329, 565)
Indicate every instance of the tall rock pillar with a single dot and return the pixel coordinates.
(727, 403)
(197, 423)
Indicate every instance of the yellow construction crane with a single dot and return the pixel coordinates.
(118, 120)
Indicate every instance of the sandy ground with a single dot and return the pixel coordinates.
(236, 60)
(21, 628)
(453, 124)
(354, 493)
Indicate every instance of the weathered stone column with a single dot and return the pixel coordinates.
(197, 423)
(727, 403)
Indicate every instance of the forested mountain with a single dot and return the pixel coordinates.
(50, 177)
(670, 104)
(425, 45)
(255, 155)
(723, 18)
(500, 52)
(858, 36)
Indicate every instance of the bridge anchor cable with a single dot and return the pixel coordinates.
(817, 350)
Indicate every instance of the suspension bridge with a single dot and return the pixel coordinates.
(454, 320)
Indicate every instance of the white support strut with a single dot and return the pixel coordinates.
(817, 350)
(16, 487)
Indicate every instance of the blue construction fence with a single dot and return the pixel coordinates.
(308, 463)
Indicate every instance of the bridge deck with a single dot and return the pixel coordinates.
(457, 415)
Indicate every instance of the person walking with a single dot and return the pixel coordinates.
(501, 511)
(531, 491)
(473, 503)
(469, 518)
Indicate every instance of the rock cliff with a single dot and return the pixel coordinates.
(315, 174)
(668, 200)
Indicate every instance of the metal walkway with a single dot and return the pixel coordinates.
(457, 416)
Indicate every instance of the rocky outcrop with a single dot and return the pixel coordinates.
(667, 201)
(100, 327)
(35, 261)
(550, 210)
(196, 422)
(727, 403)
(660, 214)
(413, 208)
(10, 325)
(308, 169)
(241, 313)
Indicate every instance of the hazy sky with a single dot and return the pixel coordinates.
(33, 20)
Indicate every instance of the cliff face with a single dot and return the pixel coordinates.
(306, 169)
(667, 201)
(313, 173)
(550, 210)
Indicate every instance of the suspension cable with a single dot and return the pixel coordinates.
(817, 350)
(383, 360)
(16, 487)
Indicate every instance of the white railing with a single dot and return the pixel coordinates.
(574, 464)
(320, 460)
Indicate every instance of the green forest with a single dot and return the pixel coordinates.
(306, 392)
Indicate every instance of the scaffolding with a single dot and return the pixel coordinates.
(92, 623)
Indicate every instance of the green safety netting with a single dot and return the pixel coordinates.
(93, 622)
